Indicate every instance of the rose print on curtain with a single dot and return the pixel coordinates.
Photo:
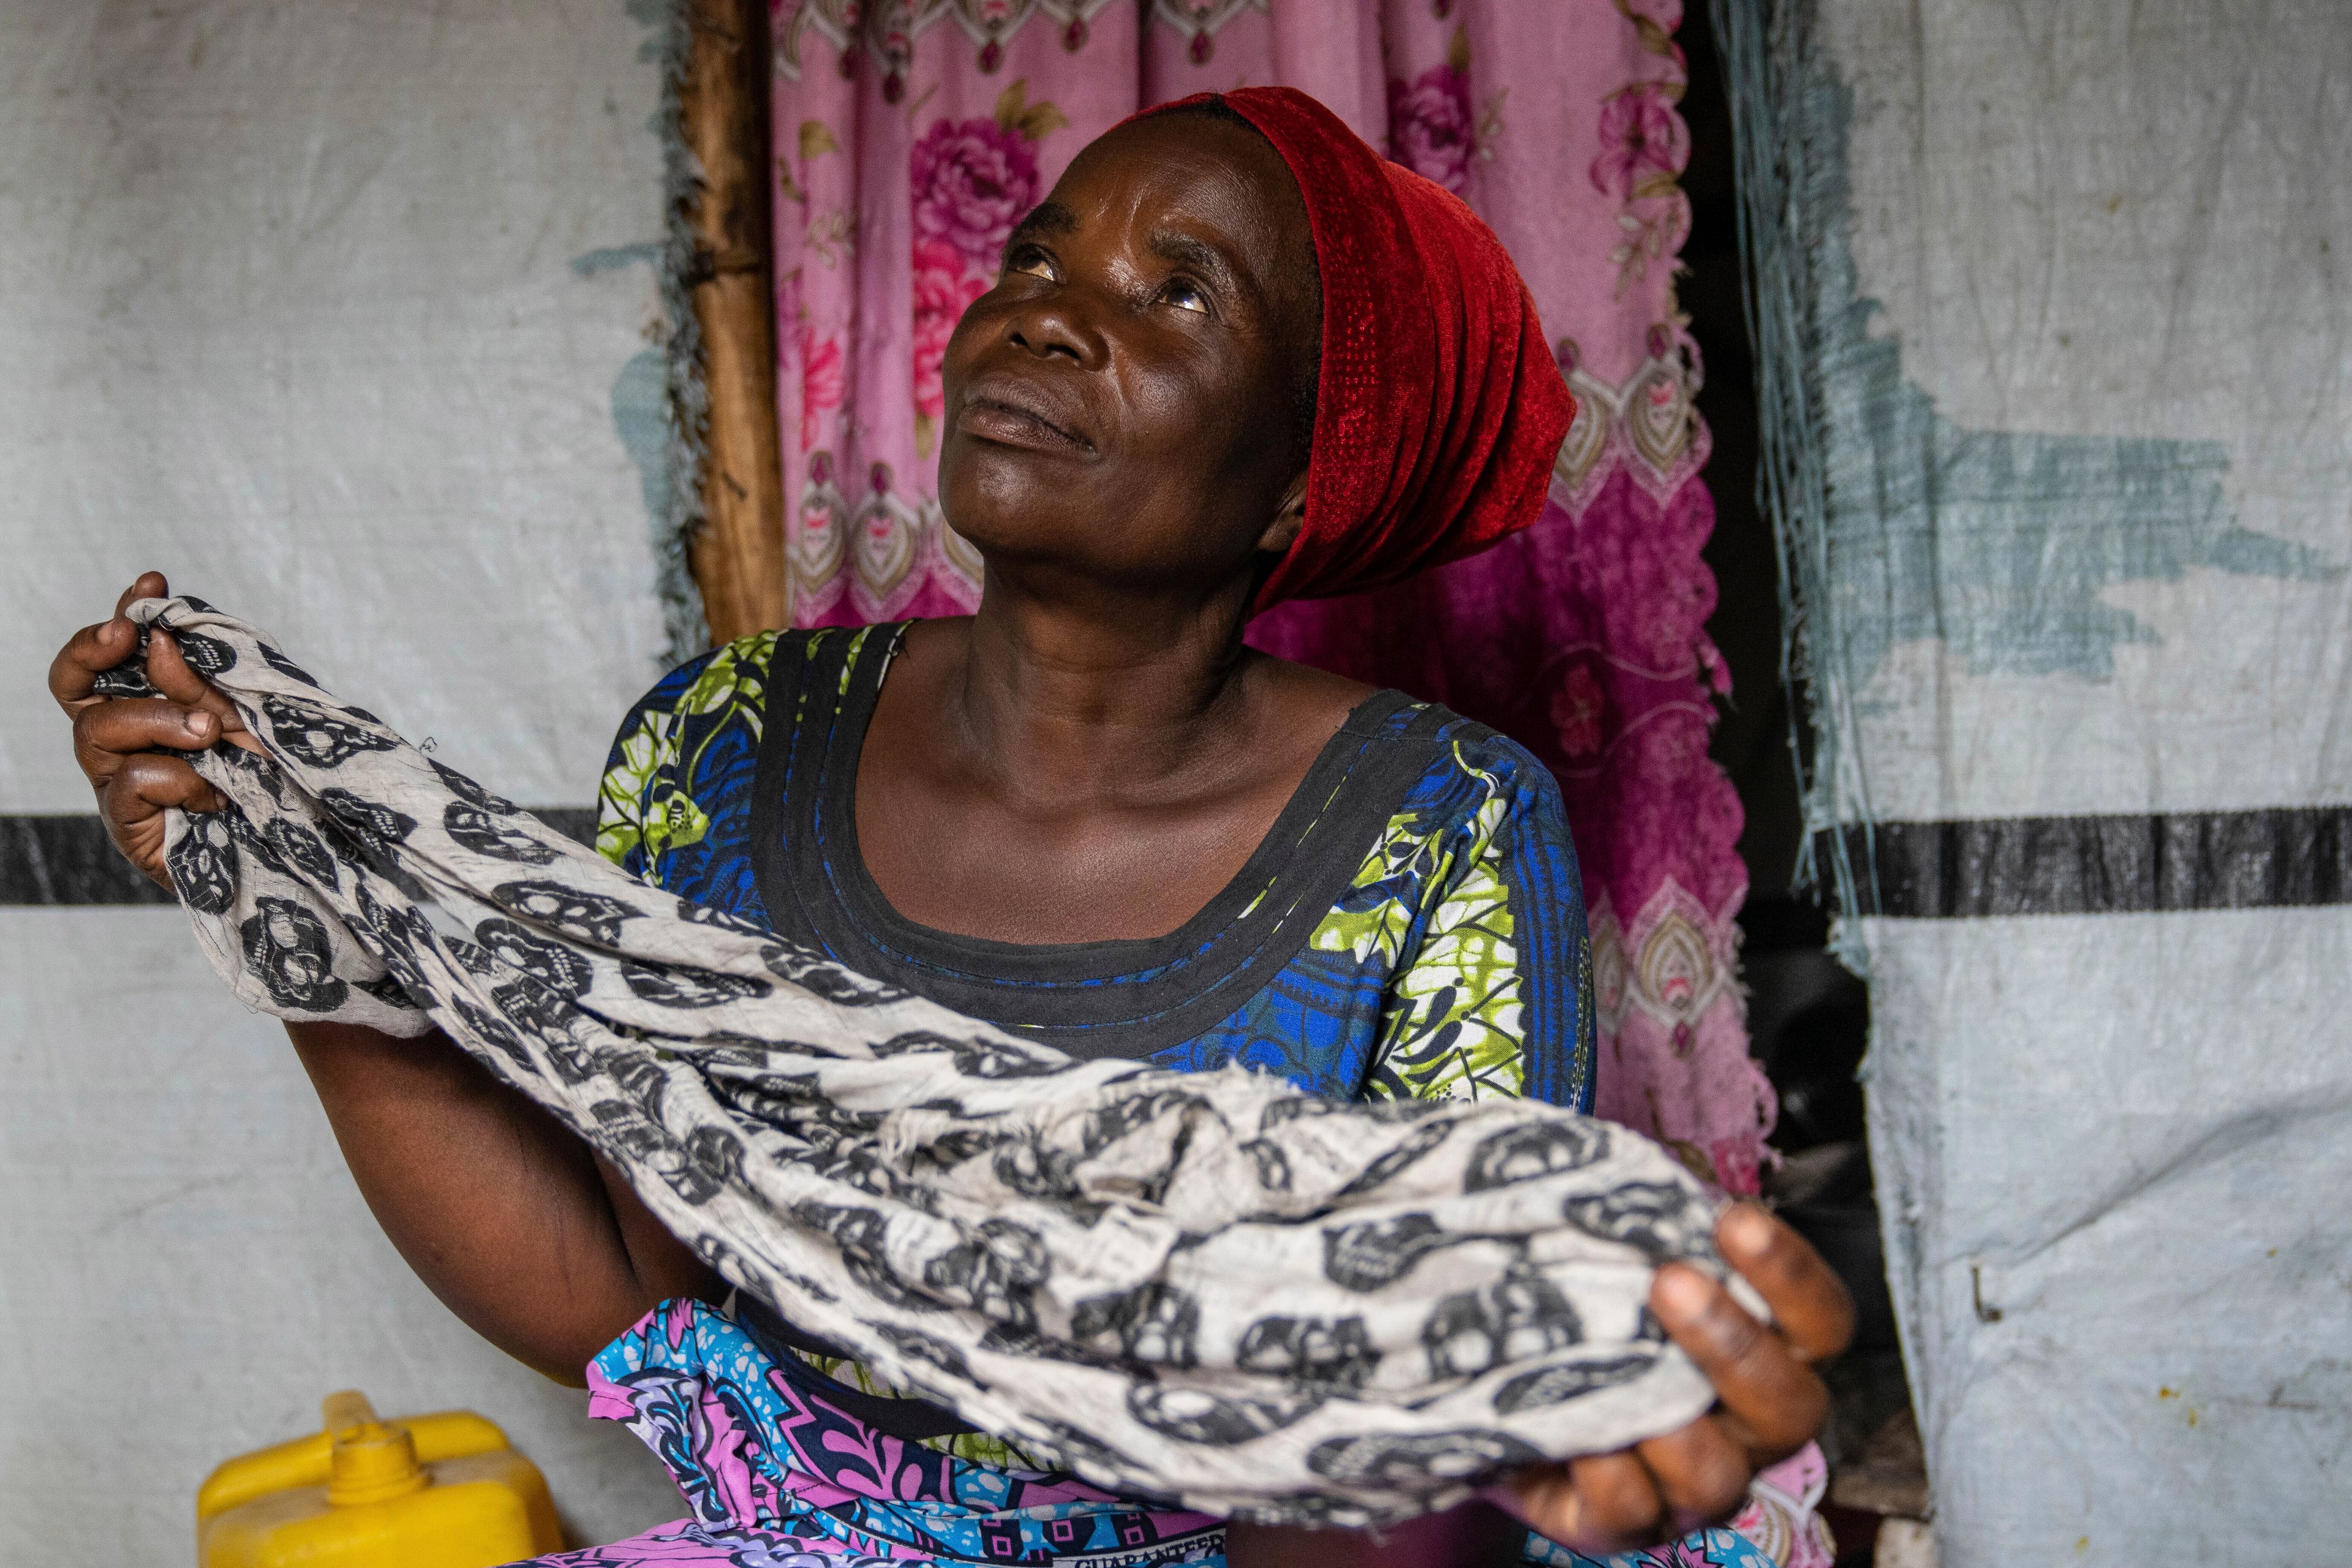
(911, 136)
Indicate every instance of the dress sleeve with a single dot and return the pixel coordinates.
(647, 802)
(644, 747)
(1495, 997)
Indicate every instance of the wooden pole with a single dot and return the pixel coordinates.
(738, 555)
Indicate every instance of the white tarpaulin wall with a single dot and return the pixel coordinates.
(2056, 348)
(339, 314)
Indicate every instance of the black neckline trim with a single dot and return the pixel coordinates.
(1126, 998)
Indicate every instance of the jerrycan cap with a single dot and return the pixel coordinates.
(368, 1460)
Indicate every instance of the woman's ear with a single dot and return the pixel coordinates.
(1289, 517)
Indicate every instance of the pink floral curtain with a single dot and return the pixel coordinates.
(911, 136)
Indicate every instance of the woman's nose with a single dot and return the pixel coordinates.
(1052, 330)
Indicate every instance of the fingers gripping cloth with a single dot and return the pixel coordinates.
(1208, 1287)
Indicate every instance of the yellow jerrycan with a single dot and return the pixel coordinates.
(431, 1491)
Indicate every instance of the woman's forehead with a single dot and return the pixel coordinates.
(1180, 170)
(1206, 194)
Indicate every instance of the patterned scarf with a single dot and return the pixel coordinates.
(1208, 1288)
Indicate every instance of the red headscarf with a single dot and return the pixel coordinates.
(1440, 410)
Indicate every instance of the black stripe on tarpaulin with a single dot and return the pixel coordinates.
(67, 860)
(2285, 858)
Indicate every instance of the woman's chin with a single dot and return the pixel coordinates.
(1005, 474)
(999, 536)
(1007, 507)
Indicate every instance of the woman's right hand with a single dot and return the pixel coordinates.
(117, 739)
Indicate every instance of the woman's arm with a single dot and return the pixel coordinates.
(511, 1221)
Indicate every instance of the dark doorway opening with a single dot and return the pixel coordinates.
(1809, 1016)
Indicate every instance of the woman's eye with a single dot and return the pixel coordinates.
(1184, 295)
(1030, 260)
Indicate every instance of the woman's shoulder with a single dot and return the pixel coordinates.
(710, 679)
(1477, 877)
(1460, 803)
(1455, 756)
(686, 751)
(742, 676)
(1468, 770)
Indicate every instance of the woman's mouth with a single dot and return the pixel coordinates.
(1009, 424)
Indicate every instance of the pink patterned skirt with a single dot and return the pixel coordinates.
(776, 1476)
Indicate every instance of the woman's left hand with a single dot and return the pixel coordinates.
(1769, 1400)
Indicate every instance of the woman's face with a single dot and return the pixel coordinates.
(1120, 408)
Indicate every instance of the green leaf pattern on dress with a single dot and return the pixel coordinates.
(1452, 1029)
(640, 805)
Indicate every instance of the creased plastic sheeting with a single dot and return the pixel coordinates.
(2117, 1147)
(2054, 457)
(288, 307)
(291, 313)
(2058, 439)
(186, 1268)
(2095, 385)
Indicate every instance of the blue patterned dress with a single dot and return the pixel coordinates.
(1411, 927)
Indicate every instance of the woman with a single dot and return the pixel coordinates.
(1234, 357)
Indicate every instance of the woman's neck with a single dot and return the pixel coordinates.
(1036, 776)
(1130, 701)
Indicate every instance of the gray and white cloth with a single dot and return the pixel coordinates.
(1208, 1287)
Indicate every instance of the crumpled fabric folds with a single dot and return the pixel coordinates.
(1205, 1288)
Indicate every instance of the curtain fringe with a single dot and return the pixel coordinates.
(1788, 116)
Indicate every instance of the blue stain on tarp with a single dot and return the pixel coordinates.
(641, 410)
(613, 258)
(1893, 524)
(641, 418)
(644, 405)
(641, 414)
(2002, 542)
